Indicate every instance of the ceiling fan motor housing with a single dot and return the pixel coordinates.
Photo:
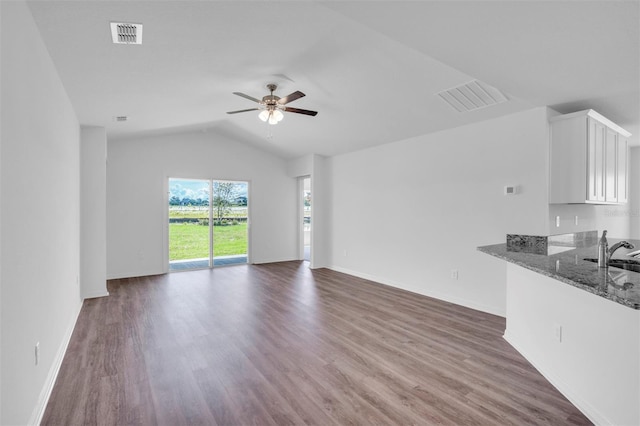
(270, 99)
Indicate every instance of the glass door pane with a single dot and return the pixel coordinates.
(306, 218)
(230, 222)
(189, 230)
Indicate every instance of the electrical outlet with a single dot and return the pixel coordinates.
(575, 221)
(454, 274)
(557, 332)
(344, 253)
(557, 221)
(37, 352)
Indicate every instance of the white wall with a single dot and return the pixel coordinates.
(299, 167)
(634, 192)
(1, 136)
(39, 250)
(321, 221)
(137, 173)
(93, 212)
(615, 219)
(409, 212)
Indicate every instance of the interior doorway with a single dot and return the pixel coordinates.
(305, 188)
(208, 223)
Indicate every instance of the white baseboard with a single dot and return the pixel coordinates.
(587, 409)
(444, 297)
(135, 274)
(97, 294)
(273, 260)
(45, 393)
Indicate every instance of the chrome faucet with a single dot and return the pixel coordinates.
(605, 253)
(616, 246)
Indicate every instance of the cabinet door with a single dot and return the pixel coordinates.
(595, 161)
(610, 166)
(622, 169)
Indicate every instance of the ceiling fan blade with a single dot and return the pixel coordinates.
(243, 110)
(251, 98)
(290, 98)
(301, 111)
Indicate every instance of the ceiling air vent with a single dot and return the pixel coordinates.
(471, 96)
(120, 118)
(126, 33)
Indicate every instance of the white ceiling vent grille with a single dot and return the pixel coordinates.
(471, 96)
(126, 33)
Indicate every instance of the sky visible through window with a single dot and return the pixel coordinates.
(196, 189)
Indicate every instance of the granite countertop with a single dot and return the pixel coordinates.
(618, 285)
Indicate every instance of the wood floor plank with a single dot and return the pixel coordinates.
(280, 344)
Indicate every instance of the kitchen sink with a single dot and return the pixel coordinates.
(628, 264)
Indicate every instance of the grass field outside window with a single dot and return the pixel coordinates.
(191, 240)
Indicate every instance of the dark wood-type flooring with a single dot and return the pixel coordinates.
(280, 344)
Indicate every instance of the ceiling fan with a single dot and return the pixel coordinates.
(272, 106)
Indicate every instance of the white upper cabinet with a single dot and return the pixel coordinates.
(588, 160)
(611, 166)
(623, 174)
(595, 160)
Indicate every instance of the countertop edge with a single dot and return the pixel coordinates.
(545, 272)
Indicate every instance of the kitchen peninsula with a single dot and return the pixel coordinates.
(578, 324)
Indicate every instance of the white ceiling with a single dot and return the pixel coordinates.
(371, 68)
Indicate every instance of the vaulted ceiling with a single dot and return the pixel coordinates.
(371, 68)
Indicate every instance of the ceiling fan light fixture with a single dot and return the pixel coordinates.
(264, 115)
(271, 115)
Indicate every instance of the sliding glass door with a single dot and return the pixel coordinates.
(189, 220)
(306, 218)
(208, 223)
(230, 222)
